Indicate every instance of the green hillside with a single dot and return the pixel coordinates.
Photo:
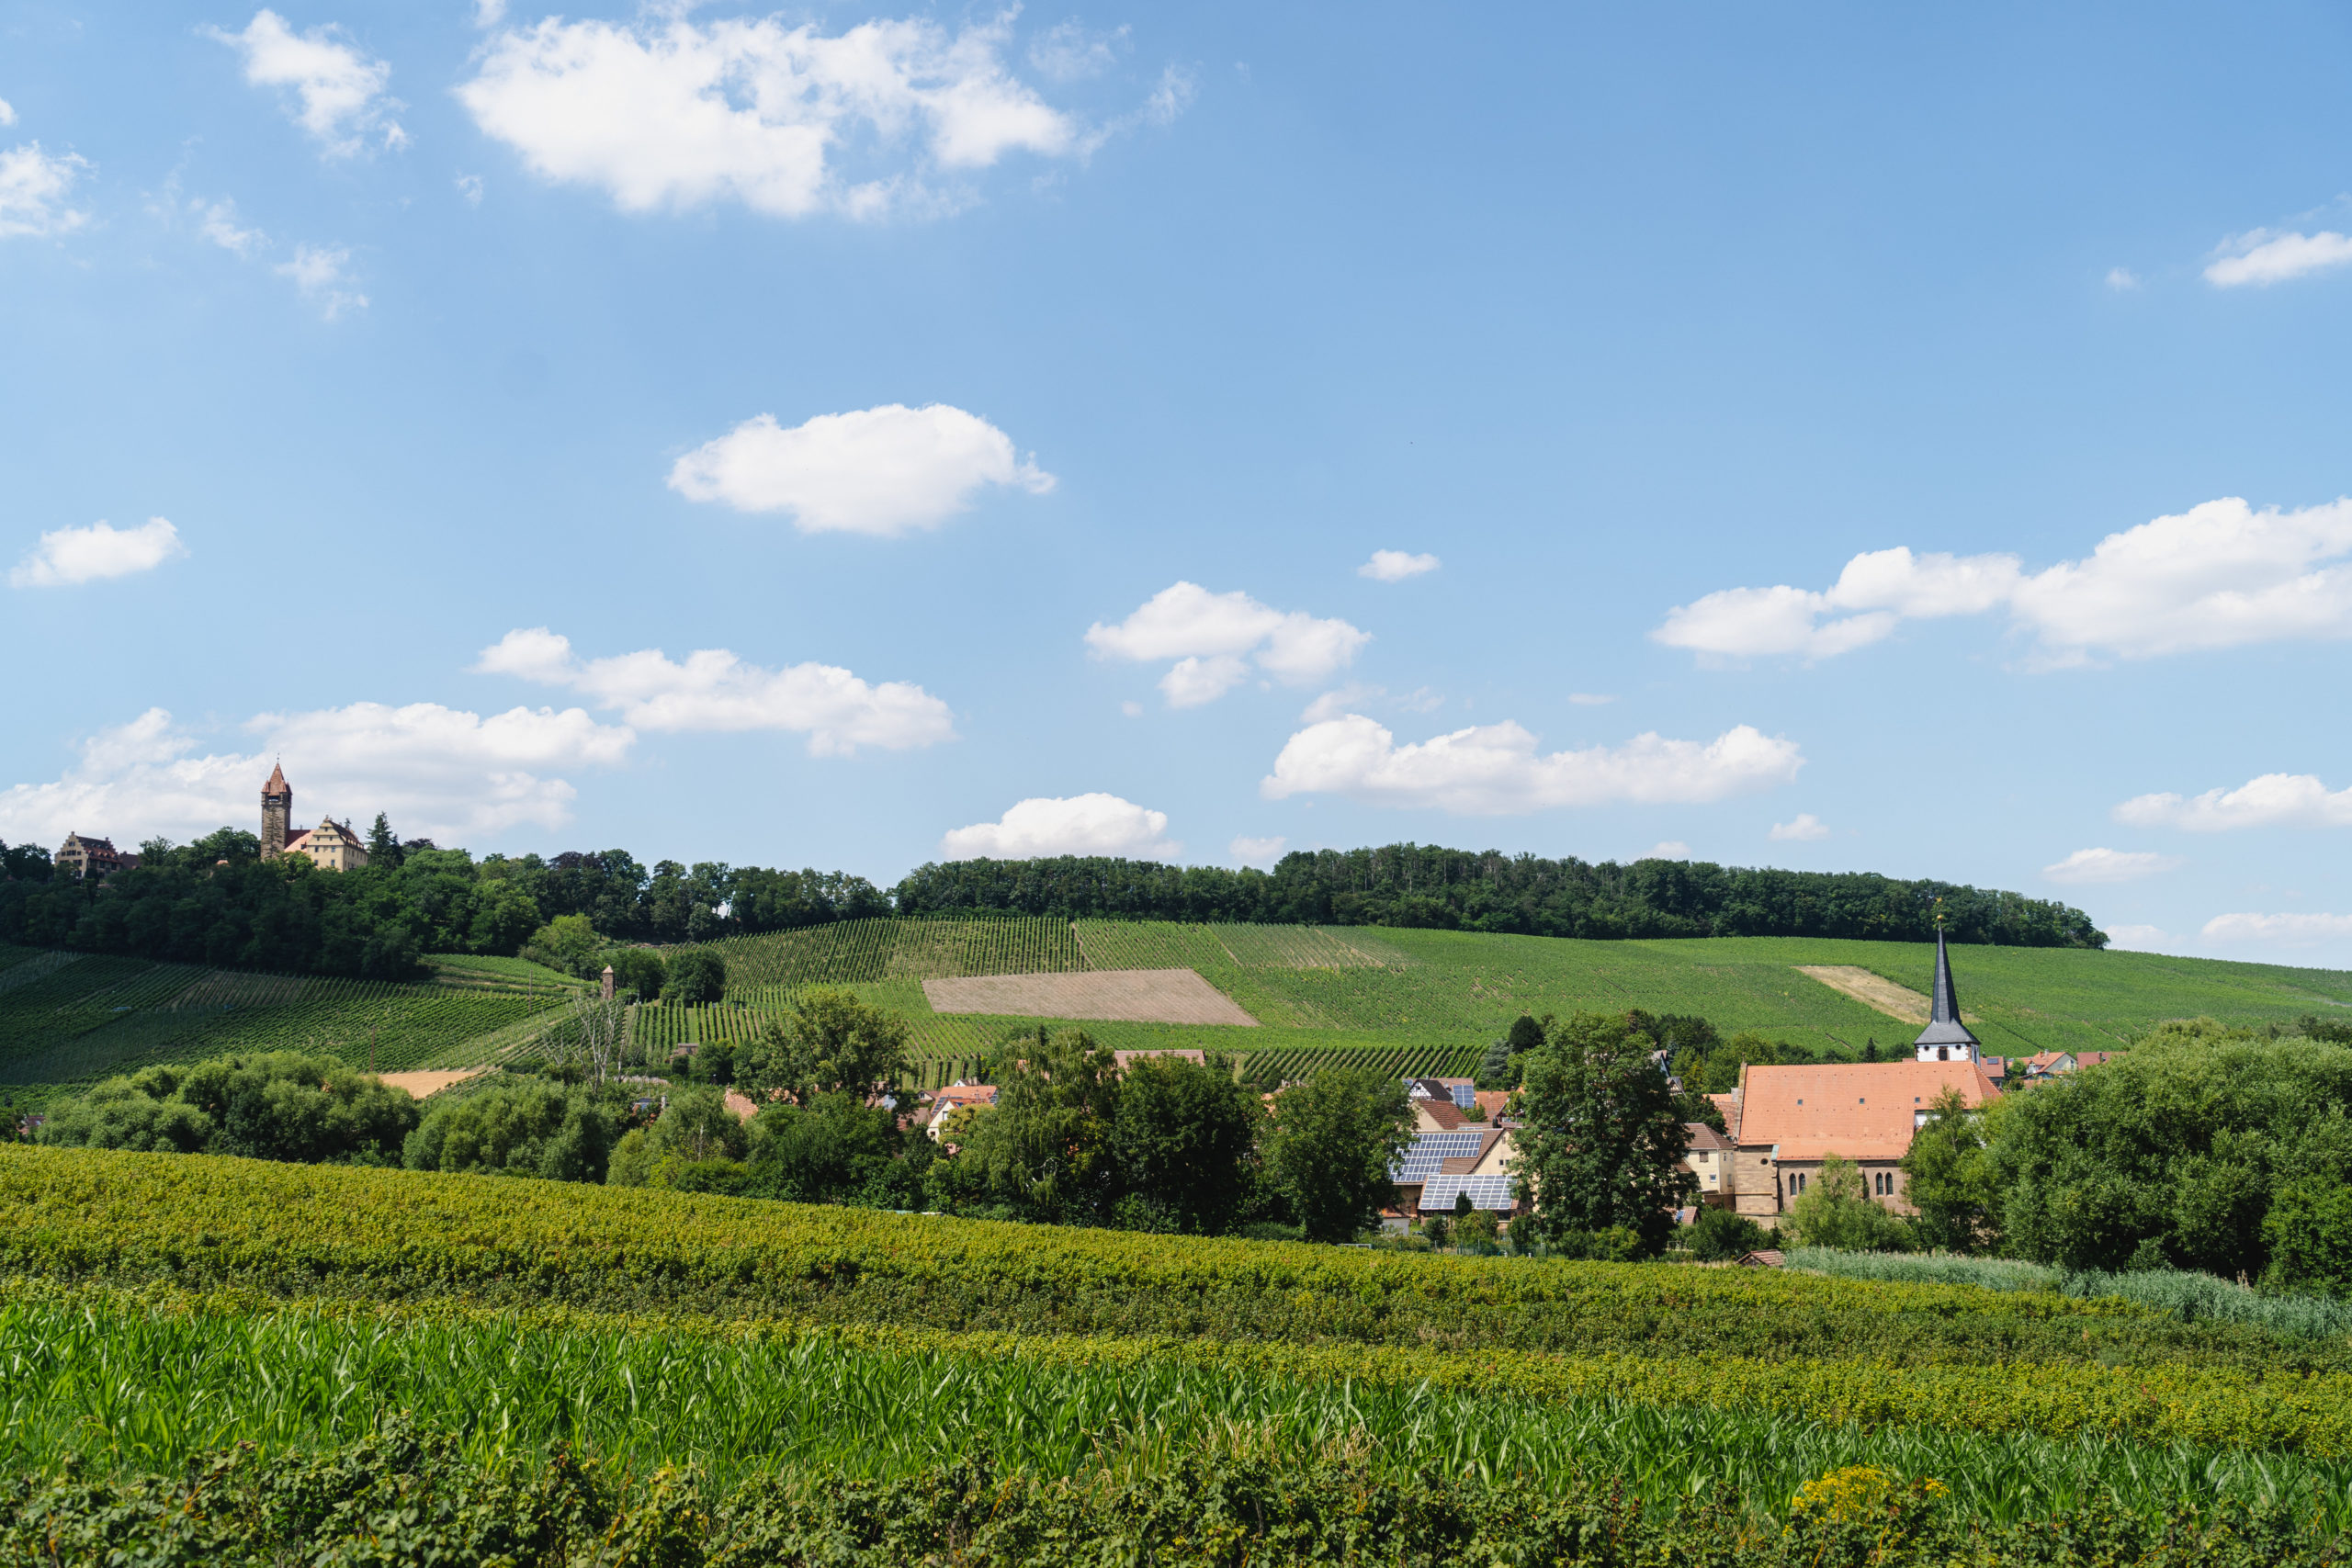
(1431, 1001)
(1422, 1001)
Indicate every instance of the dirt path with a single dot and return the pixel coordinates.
(1872, 990)
(1141, 996)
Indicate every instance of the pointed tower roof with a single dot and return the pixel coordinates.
(276, 784)
(1944, 1027)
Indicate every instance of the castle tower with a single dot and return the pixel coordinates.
(1945, 1038)
(277, 811)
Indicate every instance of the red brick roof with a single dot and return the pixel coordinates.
(1860, 1110)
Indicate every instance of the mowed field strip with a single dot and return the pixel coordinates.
(1873, 991)
(1137, 996)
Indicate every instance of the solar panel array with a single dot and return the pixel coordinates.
(1466, 1095)
(1486, 1193)
(1431, 1150)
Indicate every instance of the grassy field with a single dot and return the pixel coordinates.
(1430, 1001)
(1415, 1001)
(156, 1306)
(69, 1020)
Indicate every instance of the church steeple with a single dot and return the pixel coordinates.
(1946, 1038)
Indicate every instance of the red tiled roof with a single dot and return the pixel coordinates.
(1729, 1105)
(1444, 1112)
(1860, 1110)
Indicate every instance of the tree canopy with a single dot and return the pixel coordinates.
(1603, 1137)
(275, 1105)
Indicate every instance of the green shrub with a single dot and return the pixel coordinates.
(277, 1105)
(2309, 1230)
(527, 1129)
(1720, 1235)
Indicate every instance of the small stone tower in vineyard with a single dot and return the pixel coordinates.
(277, 811)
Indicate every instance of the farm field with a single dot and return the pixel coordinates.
(68, 1019)
(1436, 998)
(158, 1307)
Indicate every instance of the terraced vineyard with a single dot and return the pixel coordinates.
(68, 1019)
(1430, 1001)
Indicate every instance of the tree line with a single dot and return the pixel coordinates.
(1423, 885)
(217, 902)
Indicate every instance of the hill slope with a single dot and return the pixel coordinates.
(1431, 1001)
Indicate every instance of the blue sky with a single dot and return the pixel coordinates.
(1826, 437)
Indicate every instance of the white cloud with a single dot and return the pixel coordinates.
(2140, 938)
(2110, 865)
(71, 556)
(669, 113)
(2220, 575)
(1494, 770)
(1078, 825)
(7, 113)
(713, 690)
(881, 470)
(2292, 930)
(2273, 800)
(1805, 828)
(1071, 52)
(1247, 851)
(435, 770)
(2121, 279)
(1396, 566)
(321, 272)
(1209, 636)
(218, 225)
(2264, 256)
(1666, 849)
(344, 104)
(488, 13)
(1133, 710)
(470, 186)
(34, 187)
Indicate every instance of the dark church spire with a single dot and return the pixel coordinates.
(1944, 1028)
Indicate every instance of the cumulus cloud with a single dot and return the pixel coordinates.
(1804, 828)
(1074, 825)
(2289, 931)
(881, 470)
(71, 556)
(1247, 851)
(435, 770)
(2273, 800)
(218, 223)
(337, 90)
(1495, 769)
(1214, 638)
(7, 113)
(2220, 575)
(1666, 849)
(34, 188)
(1396, 566)
(323, 274)
(2121, 279)
(714, 689)
(668, 112)
(2264, 256)
(2110, 865)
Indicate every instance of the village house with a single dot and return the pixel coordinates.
(1785, 1122)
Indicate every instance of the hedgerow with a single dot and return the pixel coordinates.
(399, 1496)
(300, 1231)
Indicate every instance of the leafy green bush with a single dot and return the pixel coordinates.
(277, 1105)
(1720, 1235)
(1836, 1210)
(2309, 1230)
(526, 1129)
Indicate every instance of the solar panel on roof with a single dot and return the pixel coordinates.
(1486, 1193)
(1431, 1150)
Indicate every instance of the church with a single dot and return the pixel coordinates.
(331, 846)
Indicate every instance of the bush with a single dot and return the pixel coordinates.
(1836, 1211)
(275, 1105)
(2309, 1230)
(1718, 1236)
(698, 978)
(530, 1129)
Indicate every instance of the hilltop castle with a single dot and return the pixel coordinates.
(331, 846)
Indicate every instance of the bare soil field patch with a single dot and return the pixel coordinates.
(1872, 990)
(422, 1084)
(1137, 996)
